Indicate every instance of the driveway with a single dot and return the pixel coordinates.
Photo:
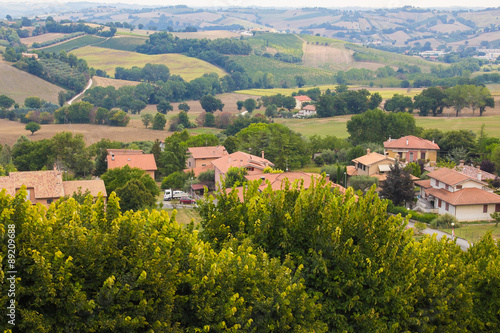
(463, 243)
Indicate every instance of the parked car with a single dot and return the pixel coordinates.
(187, 201)
(169, 194)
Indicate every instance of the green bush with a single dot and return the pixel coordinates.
(421, 217)
(445, 221)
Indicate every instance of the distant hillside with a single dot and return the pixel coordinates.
(107, 59)
(18, 85)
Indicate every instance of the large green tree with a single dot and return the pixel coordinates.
(398, 186)
(211, 104)
(117, 178)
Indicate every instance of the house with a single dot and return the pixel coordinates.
(411, 149)
(306, 111)
(254, 164)
(449, 191)
(301, 99)
(468, 170)
(47, 186)
(118, 158)
(203, 156)
(278, 180)
(372, 164)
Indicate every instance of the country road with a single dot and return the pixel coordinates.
(80, 94)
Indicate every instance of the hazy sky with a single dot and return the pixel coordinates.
(299, 4)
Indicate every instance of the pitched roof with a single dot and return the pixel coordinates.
(352, 170)
(372, 158)
(124, 152)
(451, 177)
(207, 152)
(468, 171)
(309, 107)
(141, 161)
(199, 170)
(466, 196)
(239, 160)
(424, 183)
(46, 184)
(95, 187)
(412, 142)
(303, 98)
(49, 184)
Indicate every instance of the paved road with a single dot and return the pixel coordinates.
(463, 243)
(80, 94)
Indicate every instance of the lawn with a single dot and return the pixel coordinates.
(107, 59)
(474, 232)
(185, 215)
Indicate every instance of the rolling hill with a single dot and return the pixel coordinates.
(18, 85)
(108, 59)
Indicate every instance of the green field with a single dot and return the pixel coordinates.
(283, 71)
(474, 232)
(285, 43)
(337, 125)
(73, 44)
(108, 59)
(122, 43)
(385, 93)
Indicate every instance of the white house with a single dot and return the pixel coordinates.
(465, 197)
(306, 111)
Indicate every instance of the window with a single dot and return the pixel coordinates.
(422, 155)
(447, 206)
(437, 182)
(411, 156)
(364, 167)
(446, 186)
(459, 187)
(49, 201)
(485, 208)
(250, 169)
(497, 208)
(439, 203)
(189, 163)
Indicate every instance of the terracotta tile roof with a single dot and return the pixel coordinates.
(424, 183)
(46, 184)
(451, 177)
(466, 196)
(239, 160)
(95, 187)
(303, 98)
(468, 171)
(207, 152)
(199, 170)
(383, 176)
(142, 161)
(411, 142)
(125, 152)
(352, 170)
(309, 107)
(372, 158)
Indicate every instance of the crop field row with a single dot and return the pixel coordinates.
(122, 43)
(74, 44)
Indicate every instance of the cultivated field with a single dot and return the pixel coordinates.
(18, 85)
(122, 43)
(214, 34)
(108, 59)
(73, 44)
(41, 38)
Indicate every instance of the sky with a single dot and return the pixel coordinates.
(299, 3)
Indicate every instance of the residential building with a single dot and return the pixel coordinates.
(118, 158)
(203, 156)
(301, 99)
(449, 191)
(468, 170)
(306, 111)
(372, 164)
(411, 149)
(254, 164)
(45, 187)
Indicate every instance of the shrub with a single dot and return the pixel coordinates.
(445, 221)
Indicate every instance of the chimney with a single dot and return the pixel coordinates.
(367, 151)
(112, 156)
(432, 140)
(479, 174)
(461, 163)
(407, 142)
(390, 138)
(263, 179)
(262, 152)
(327, 177)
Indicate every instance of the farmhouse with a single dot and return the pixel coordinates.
(254, 164)
(301, 99)
(118, 158)
(372, 164)
(306, 111)
(465, 197)
(411, 149)
(45, 187)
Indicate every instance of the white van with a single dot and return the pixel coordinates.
(169, 194)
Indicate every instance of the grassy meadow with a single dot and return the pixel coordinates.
(122, 43)
(283, 43)
(108, 59)
(474, 232)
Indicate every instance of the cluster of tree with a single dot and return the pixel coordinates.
(67, 26)
(142, 271)
(435, 99)
(365, 266)
(86, 113)
(149, 73)
(344, 101)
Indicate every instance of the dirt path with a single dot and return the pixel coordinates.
(80, 94)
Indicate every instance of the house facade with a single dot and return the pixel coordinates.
(45, 187)
(411, 149)
(203, 156)
(465, 197)
(301, 99)
(118, 158)
(372, 164)
(253, 164)
(306, 111)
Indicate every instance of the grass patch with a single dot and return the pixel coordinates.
(473, 233)
(285, 43)
(282, 71)
(74, 44)
(204, 130)
(185, 215)
(492, 123)
(108, 59)
(335, 126)
(123, 43)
